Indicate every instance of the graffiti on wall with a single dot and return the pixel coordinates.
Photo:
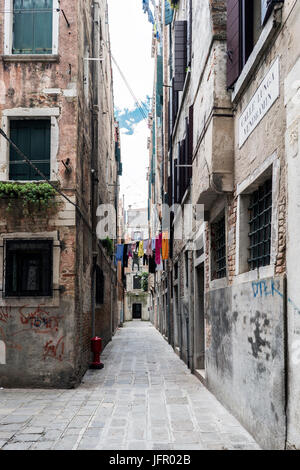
(5, 314)
(54, 349)
(38, 321)
(270, 287)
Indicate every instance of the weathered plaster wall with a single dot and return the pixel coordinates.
(292, 103)
(245, 356)
(46, 342)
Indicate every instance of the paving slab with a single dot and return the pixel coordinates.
(144, 398)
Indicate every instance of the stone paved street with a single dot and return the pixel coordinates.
(144, 398)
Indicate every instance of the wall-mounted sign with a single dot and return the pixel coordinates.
(262, 100)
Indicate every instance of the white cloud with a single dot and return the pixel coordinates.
(131, 39)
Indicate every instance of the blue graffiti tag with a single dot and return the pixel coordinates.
(264, 289)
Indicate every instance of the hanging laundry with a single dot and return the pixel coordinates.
(146, 242)
(152, 264)
(165, 248)
(160, 240)
(135, 261)
(149, 251)
(141, 249)
(125, 256)
(130, 251)
(119, 253)
(157, 251)
(145, 260)
(153, 244)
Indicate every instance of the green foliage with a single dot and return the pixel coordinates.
(144, 281)
(35, 197)
(108, 244)
(174, 4)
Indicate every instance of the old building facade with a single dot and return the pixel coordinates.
(230, 122)
(57, 280)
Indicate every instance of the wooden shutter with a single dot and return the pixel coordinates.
(33, 139)
(180, 54)
(233, 41)
(32, 26)
(190, 141)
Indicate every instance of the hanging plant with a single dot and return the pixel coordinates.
(144, 281)
(34, 197)
(108, 244)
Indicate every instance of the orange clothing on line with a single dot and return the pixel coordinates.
(165, 248)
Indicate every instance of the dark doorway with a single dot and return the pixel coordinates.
(137, 311)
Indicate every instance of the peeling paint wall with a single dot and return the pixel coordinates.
(245, 358)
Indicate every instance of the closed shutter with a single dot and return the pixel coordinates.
(32, 137)
(180, 54)
(190, 140)
(233, 41)
(181, 170)
(32, 26)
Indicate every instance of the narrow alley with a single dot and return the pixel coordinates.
(144, 398)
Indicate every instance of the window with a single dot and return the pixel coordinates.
(33, 138)
(218, 243)
(28, 268)
(245, 21)
(137, 284)
(99, 286)
(32, 26)
(260, 212)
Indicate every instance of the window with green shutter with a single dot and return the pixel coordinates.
(33, 139)
(32, 26)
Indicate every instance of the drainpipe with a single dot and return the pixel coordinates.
(191, 309)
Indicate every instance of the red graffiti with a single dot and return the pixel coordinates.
(5, 314)
(56, 351)
(40, 320)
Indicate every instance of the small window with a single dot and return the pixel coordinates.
(28, 268)
(218, 239)
(137, 284)
(260, 213)
(32, 26)
(99, 286)
(32, 137)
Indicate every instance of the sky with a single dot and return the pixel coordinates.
(131, 39)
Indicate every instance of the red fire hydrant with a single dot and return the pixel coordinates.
(96, 347)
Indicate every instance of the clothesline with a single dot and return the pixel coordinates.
(153, 251)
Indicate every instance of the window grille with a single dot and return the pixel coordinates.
(219, 231)
(137, 284)
(260, 210)
(28, 268)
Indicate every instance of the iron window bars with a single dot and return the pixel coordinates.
(28, 268)
(260, 210)
(220, 248)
